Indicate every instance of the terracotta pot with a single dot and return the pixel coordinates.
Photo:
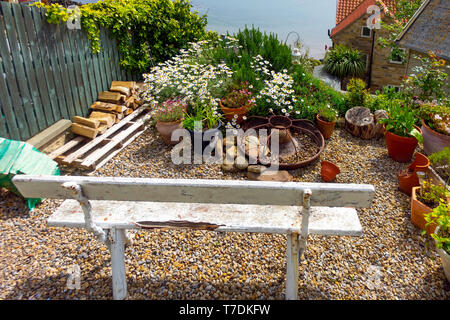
(418, 211)
(445, 258)
(325, 127)
(165, 129)
(230, 112)
(329, 171)
(407, 179)
(433, 141)
(400, 149)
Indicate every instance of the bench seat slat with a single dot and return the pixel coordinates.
(197, 191)
(230, 217)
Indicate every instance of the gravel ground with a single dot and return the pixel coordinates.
(391, 261)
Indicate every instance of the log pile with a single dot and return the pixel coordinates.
(110, 108)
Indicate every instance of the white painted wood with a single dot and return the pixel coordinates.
(118, 264)
(87, 210)
(232, 218)
(292, 249)
(198, 191)
(305, 221)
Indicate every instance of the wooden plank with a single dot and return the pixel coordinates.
(118, 264)
(20, 72)
(95, 142)
(6, 103)
(229, 217)
(75, 53)
(105, 54)
(69, 145)
(87, 122)
(3, 124)
(199, 191)
(45, 37)
(41, 120)
(19, 104)
(71, 69)
(84, 68)
(49, 104)
(292, 249)
(50, 133)
(98, 76)
(86, 54)
(115, 57)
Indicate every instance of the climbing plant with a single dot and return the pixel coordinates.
(144, 29)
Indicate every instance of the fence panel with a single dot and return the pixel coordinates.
(48, 72)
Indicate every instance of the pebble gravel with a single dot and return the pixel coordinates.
(390, 261)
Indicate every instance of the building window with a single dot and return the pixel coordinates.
(365, 57)
(389, 87)
(397, 57)
(366, 32)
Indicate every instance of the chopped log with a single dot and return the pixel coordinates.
(111, 97)
(119, 116)
(86, 122)
(104, 117)
(84, 131)
(128, 111)
(360, 122)
(123, 90)
(127, 84)
(131, 103)
(102, 129)
(109, 107)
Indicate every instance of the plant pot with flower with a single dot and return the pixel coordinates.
(326, 120)
(169, 117)
(203, 124)
(402, 136)
(236, 103)
(435, 127)
(440, 216)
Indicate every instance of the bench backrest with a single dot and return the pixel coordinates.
(197, 191)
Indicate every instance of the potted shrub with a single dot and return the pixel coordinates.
(435, 127)
(202, 119)
(401, 134)
(440, 161)
(169, 116)
(236, 103)
(425, 199)
(440, 216)
(326, 120)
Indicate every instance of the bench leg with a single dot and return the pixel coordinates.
(118, 264)
(292, 266)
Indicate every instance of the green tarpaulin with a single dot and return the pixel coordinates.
(17, 157)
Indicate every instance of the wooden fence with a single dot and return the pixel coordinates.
(48, 72)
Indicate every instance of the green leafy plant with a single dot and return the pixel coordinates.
(356, 89)
(401, 121)
(431, 194)
(326, 113)
(239, 97)
(440, 216)
(202, 113)
(145, 30)
(440, 161)
(437, 117)
(343, 62)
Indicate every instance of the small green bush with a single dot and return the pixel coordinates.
(356, 89)
(343, 61)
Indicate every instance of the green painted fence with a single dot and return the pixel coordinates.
(48, 72)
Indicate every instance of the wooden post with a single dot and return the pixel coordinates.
(292, 267)
(306, 206)
(118, 264)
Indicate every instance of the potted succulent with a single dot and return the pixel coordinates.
(440, 216)
(326, 120)
(424, 199)
(435, 127)
(202, 119)
(236, 103)
(402, 136)
(169, 116)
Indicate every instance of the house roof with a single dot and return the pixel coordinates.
(349, 11)
(427, 30)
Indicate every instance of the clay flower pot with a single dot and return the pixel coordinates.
(325, 127)
(329, 171)
(433, 141)
(408, 179)
(165, 129)
(400, 149)
(445, 258)
(231, 112)
(418, 211)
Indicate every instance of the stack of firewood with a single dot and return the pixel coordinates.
(111, 107)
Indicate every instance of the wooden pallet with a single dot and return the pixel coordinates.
(91, 154)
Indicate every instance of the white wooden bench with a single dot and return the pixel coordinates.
(110, 206)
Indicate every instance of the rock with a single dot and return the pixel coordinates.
(228, 166)
(256, 169)
(231, 153)
(241, 163)
(229, 141)
(268, 175)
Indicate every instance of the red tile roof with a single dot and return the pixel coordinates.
(350, 10)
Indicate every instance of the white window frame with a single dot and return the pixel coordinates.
(398, 62)
(389, 86)
(362, 32)
(367, 60)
